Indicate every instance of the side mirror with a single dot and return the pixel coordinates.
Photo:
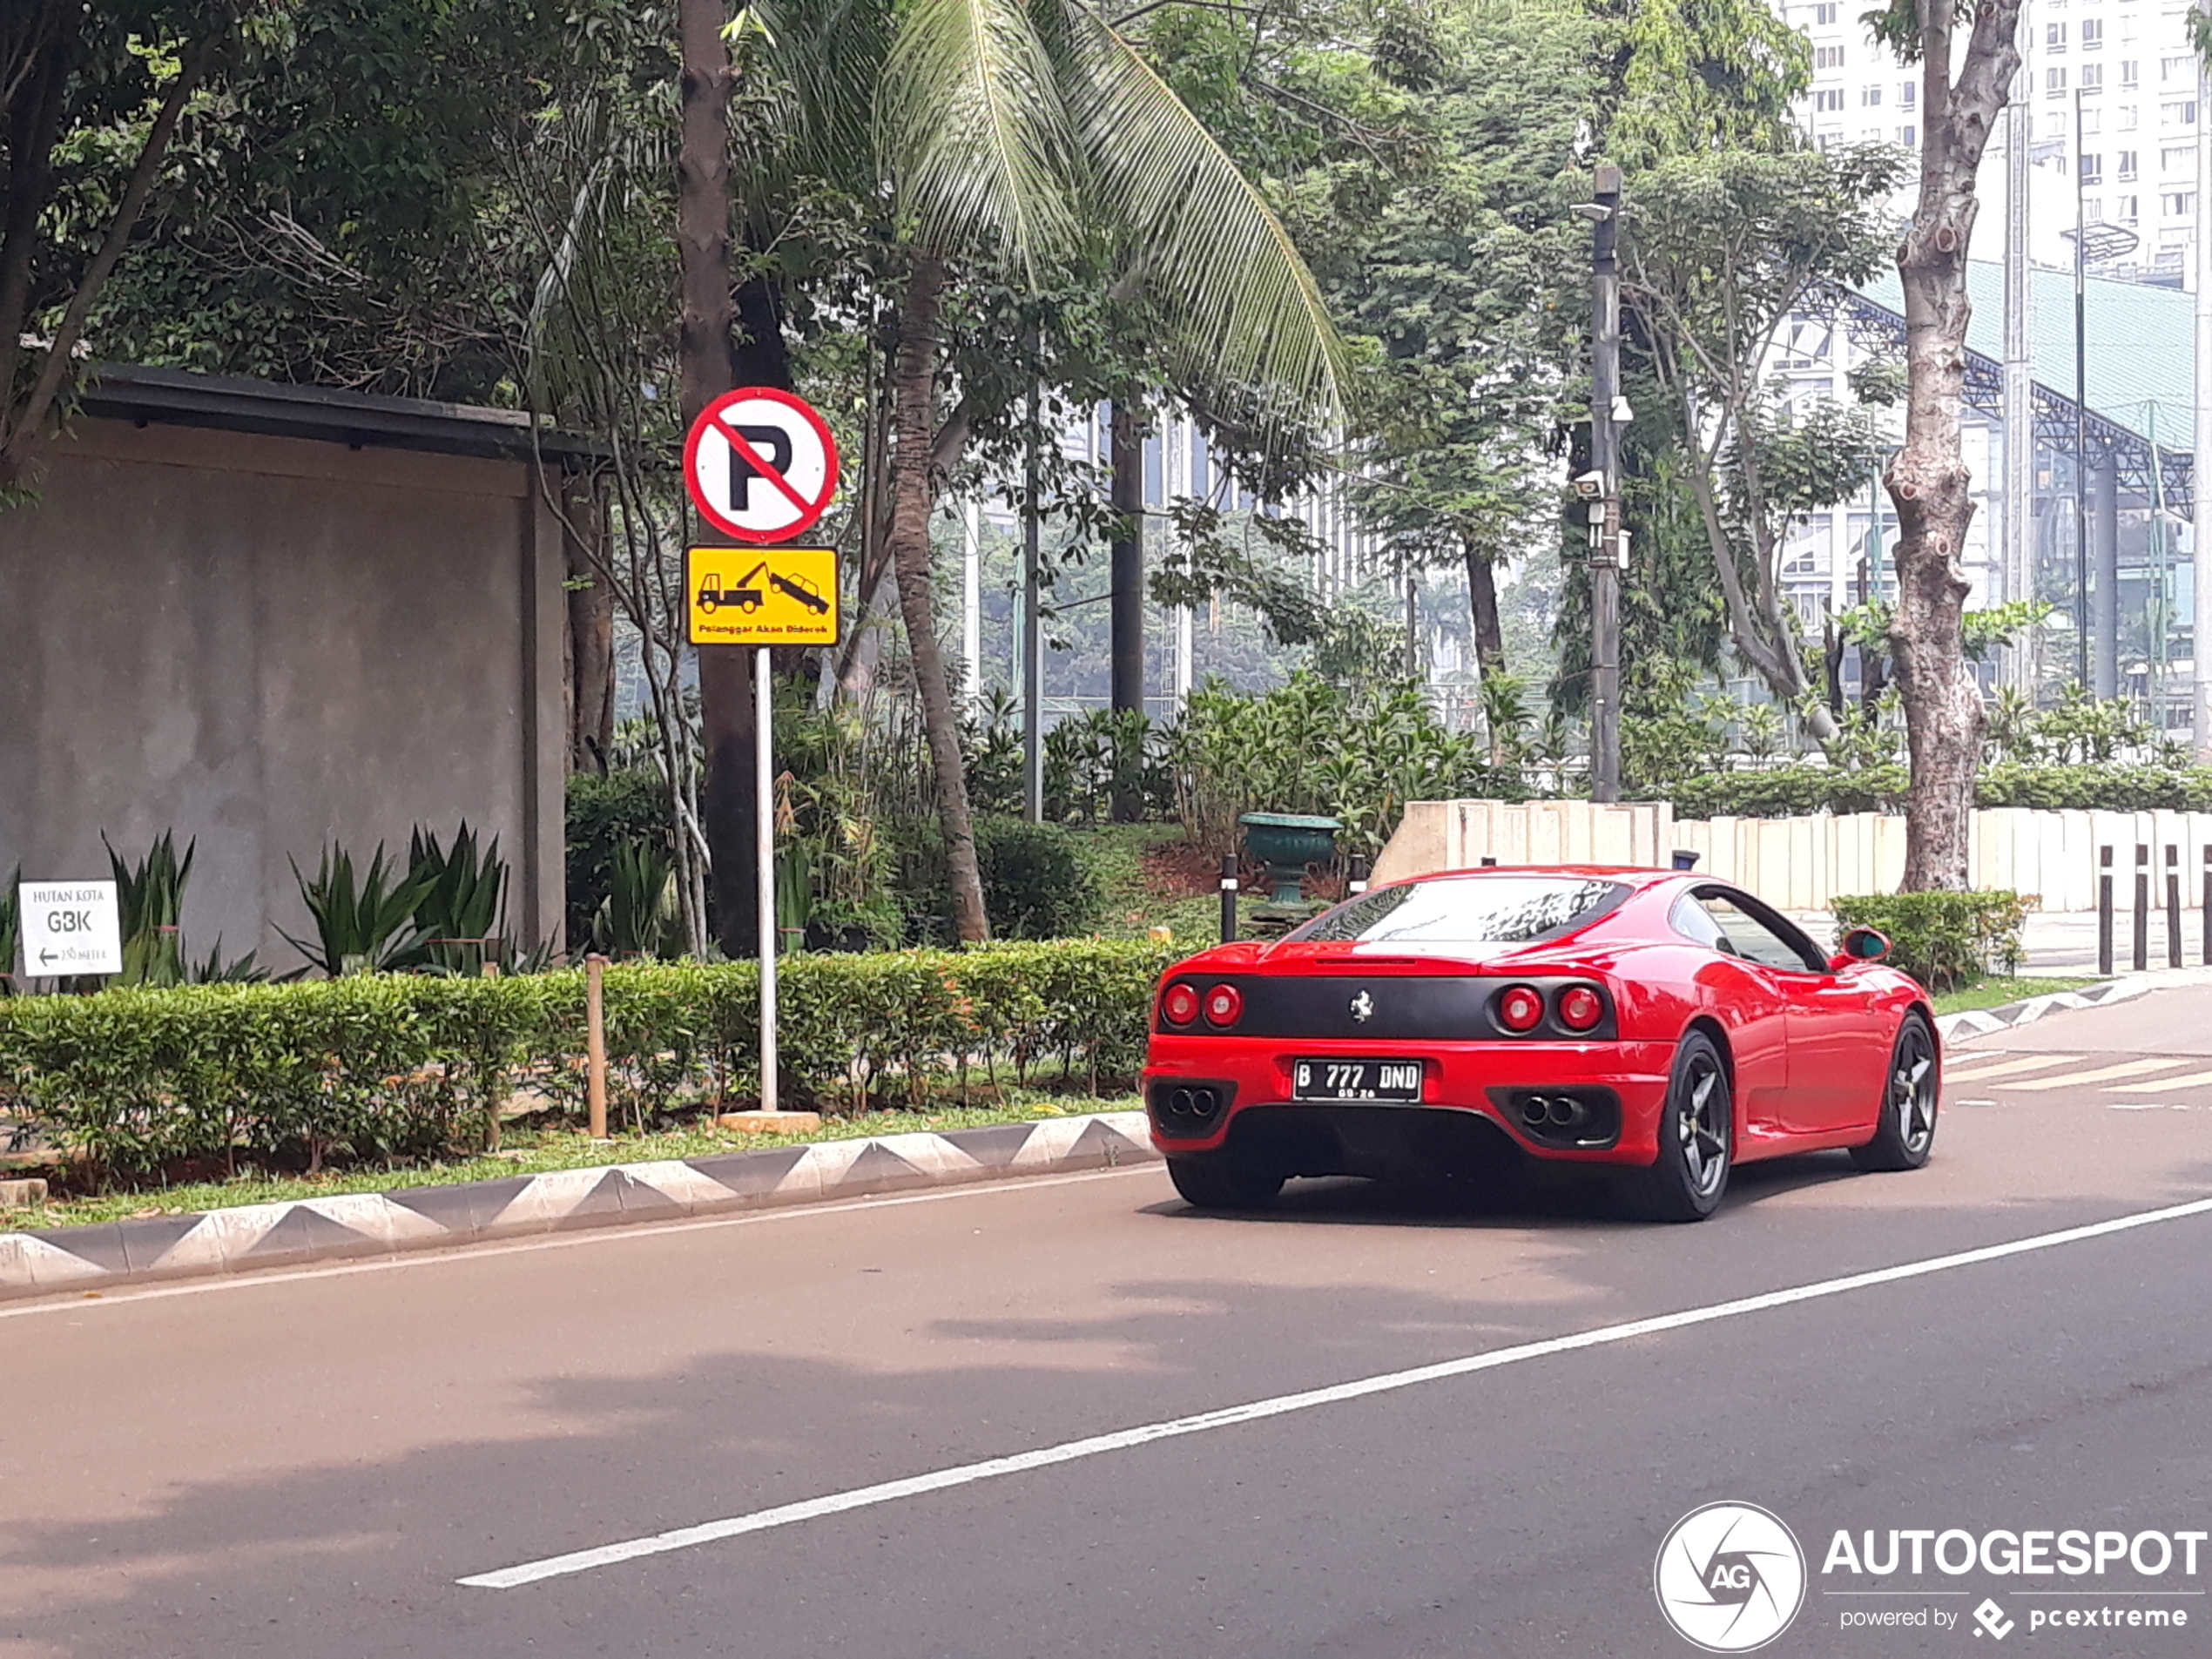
(1861, 945)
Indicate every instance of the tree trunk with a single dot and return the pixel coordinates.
(1127, 580)
(591, 631)
(1928, 478)
(726, 805)
(913, 493)
(1482, 602)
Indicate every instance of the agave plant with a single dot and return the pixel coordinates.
(363, 925)
(460, 909)
(150, 903)
(10, 933)
(639, 917)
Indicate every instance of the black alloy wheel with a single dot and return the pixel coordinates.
(1209, 1183)
(1905, 1134)
(1697, 1139)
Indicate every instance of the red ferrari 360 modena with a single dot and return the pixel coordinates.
(1661, 1027)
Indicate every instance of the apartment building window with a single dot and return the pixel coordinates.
(2053, 83)
(2127, 122)
(2053, 125)
(1870, 97)
(1827, 57)
(2092, 169)
(1827, 99)
(1908, 135)
(2089, 121)
(2131, 74)
(2093, 209)
(2179, 203)
(1908, 94)
(2055, 38)
(2179, 115)
(2093, 77)
(2126, 166)
(2127, 208)
(2093, 34)
(2177, 158)
(2177, 68)
(1824, 15)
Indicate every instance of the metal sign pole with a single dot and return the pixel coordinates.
(765, 837)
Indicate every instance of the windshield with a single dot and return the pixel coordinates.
(1467, 910)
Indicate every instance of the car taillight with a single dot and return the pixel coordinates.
(1579, 1007)
(1520, 1008)
(1223, 1004)
(1180, 1005)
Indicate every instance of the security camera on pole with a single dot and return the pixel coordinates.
(1600, 486)
(761, 466)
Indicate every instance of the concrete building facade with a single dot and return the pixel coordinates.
(267, 619)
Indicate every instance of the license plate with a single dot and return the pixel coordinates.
(1382, 1080)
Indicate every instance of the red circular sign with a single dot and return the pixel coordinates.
(760, 464)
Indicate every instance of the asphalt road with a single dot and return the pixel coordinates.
(307, 1465)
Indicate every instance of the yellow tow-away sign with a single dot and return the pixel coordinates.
(761, 596)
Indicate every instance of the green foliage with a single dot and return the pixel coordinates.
(460, 909)
(639, 917)
(11, 931)
(378, 1067)
(621, 809)
(2110, 788)
(1358, 754)
(1787, 792)
(1943, 939)
(362, 926)
(149, 904)
(1036, 884)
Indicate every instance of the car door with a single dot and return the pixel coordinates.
(1834, 1061)
(1748, 997)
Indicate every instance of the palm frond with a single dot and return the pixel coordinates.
(1208, 246)
(974, 132)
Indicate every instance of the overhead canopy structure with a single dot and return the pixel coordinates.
(2140, 365)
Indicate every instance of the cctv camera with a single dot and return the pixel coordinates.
(1596, 212)
(1590, 485)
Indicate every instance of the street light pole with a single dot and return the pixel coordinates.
(2080, 407)
(1605, 459)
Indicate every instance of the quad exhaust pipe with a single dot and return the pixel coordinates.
(1554, 1112)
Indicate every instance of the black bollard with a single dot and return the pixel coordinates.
(1489, 864)
(2142, 906)
(1357, 884)
(2173, 906)
(2104, 911)
(1684, 859)
(1228, 897)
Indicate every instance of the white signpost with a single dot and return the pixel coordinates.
(69, 927)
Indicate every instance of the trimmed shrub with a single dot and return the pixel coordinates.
(1787, 792)
(1943, 939)
(2113, 788)
(379, 1067)
(1036, 883)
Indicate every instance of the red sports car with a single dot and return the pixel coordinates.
(1662, 1026)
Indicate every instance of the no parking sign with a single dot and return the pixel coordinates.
(760, 464)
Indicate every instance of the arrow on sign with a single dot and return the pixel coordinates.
(45, 956)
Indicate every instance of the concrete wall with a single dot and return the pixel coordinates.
(267, 643)
(1802, 863)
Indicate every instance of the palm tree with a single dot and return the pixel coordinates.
(1032, 132)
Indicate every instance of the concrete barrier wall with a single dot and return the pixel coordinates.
(1802, 863)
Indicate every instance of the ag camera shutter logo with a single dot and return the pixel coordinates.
(1729, 1577)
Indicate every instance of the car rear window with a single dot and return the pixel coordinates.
(1467, 910)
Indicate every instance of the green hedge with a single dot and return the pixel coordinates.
(376, 1067)
(1786, 792)
(1943, 939)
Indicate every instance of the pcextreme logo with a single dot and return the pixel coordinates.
(1729, 1577)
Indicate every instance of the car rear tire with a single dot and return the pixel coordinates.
(1207, 1184)
(1905, 1134)
(1696, 1140)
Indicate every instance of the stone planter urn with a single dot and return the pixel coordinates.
(1286, 843)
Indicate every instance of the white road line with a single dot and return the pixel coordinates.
(2194, 1080)
(2034, 1062)
(789, 1514)
(2100, 1074)
(446, 1255)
